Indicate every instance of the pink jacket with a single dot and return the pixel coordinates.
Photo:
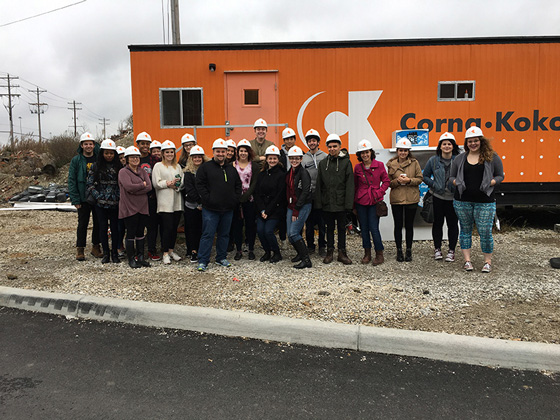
(134, 198)
(377, 177)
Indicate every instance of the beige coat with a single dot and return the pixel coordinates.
(409, 193)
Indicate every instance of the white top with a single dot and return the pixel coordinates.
(169, 199)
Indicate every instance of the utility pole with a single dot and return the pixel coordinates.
(41, 108)
(105, 122)
(74, 103)
(175, 27)
(10, 104)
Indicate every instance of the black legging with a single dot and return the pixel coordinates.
(169, 224)
(408, 211)
(193, 228)
(135, 226)
(443, 209)
(105, 218)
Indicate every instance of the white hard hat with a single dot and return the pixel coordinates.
(447, 136)
(187, 138)
(245, 143)
(364, 145)
(219, 144)
(196, 150)
(473, 132)
(333, 137)
(120, 150)
(295, 151)
(108, 144)
(260, 123)
(231, 143)
(132, 151)
(403, 144)
(143, 136)
(288, 132)
(272, 150)
(86, 137)
(313, 133)
(167, 144)
(155, 144)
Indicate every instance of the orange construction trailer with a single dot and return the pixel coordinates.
(365, 89)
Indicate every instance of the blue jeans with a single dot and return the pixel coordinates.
(214, 222)
(265, 230)
(369, 222)
(294, 228)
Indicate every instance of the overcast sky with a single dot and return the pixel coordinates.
(80, 53)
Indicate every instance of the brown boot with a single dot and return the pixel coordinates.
(378, 258)
(343, 258)
(329, 257)
(96, 251)
(367, 256)
(80, 253)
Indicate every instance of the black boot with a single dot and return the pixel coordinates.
(297, 258)
(400, 256)
(106, 255)
(140, 253)
(265, 257)
(115, 256)
(131, 254)
(408, 256)
(301, 249)
(276, 256)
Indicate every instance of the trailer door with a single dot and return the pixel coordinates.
(250, 96)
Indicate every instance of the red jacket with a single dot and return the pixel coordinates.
(376, 177)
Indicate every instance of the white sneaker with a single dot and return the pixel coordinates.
(438, 255)
(486, 268)
(166, 259)
(175, 256)
(450, 256)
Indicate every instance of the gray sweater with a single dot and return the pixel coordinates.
(492, 170)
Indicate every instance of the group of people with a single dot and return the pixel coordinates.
(254, 188)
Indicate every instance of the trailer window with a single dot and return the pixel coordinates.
(180, 107)
(456, 91)
(251, 96)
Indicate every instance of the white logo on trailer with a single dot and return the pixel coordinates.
(356, 124)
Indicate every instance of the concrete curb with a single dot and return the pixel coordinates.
(438, 346)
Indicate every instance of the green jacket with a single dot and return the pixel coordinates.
(77, 176)
(334, 191)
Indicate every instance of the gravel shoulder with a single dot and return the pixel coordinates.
(519, 300)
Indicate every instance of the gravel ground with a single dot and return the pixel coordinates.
(519, 300)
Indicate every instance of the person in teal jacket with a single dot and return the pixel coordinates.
(77, 177)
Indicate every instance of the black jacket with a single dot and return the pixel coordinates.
(270, 192)
(219, 187)
(302, 182)
(190, 193)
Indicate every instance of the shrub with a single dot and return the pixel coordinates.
(62, 148)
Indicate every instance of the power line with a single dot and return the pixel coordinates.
(41, 14)
(10, 105)
(74, 103)
(41, 108)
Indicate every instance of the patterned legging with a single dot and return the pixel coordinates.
(483, 215)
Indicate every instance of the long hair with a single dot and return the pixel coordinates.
(190, 166)
(102, 164)
(173, 162)
(249, 150)
(184, 158)
(486, 151)
(455, 150)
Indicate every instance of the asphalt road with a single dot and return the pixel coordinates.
(54, 368)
